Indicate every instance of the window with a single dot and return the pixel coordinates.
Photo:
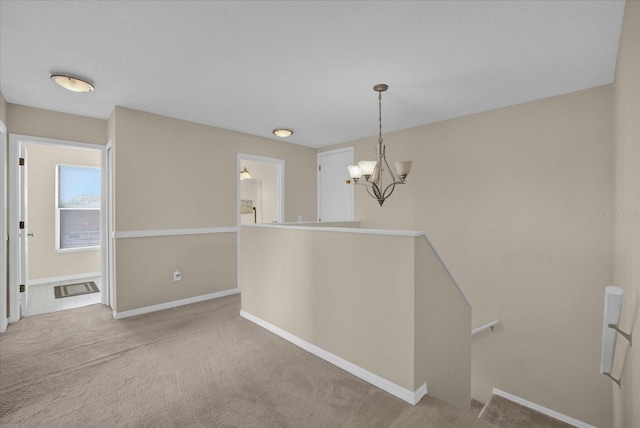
(77, 208)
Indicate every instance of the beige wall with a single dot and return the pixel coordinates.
(320, 297)
(44, 261)
(626, 213)
(513, 199)
(37, 122)
(173, 174)
(442, 329)
(144, 274)
(176, 174)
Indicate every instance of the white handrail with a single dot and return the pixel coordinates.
(612, 307)
(487, 326)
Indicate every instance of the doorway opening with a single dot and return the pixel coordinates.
(58, 195)
(270, 207)
(260, 190)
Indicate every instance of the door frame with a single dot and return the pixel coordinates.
(23, 243)
(319, 181)
(3, 228)
(281, 195)
(280, 183)
(15, 142)
(106, 226)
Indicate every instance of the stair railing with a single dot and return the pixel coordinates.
(612, 308)
(488, 326)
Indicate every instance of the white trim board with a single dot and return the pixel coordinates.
(411, 397)
(172, 232)
(356, 223)
(174, 304)
(300, 226)
(541, 409)
(65, 278)
(4, 321)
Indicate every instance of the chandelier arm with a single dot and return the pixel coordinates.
(369, 191)
(393, 177)
(376, 177)
(391, 186)
(376, 191)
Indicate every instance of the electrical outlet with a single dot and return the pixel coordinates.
(177, 275)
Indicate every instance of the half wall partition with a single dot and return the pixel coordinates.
(379, 304)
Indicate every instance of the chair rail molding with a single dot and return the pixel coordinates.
(172, 232)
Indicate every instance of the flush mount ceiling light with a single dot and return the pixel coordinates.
(372, 170)
(75, 84)
(282, 132)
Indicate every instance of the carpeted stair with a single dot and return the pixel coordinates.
(502, 413)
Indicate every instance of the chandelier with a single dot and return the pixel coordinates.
(372, 170)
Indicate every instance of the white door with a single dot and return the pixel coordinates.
(335, 196)
(24, 227)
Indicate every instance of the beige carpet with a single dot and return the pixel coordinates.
(502, 413)
(196, 366)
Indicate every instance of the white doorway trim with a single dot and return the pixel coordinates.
(281, 195)
(15, 264)
(106, 225)
(3, 228)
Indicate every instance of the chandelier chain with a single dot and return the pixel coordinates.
(380, 116)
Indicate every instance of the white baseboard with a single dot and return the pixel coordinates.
(174, 304)
(411, 397)
(76, 277)
(4, 322)
(545, 411)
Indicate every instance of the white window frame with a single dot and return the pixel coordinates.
(58, 209)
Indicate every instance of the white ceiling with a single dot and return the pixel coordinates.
(252, 66)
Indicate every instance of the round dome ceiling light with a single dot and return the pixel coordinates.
(282, 132)
(72, 83)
